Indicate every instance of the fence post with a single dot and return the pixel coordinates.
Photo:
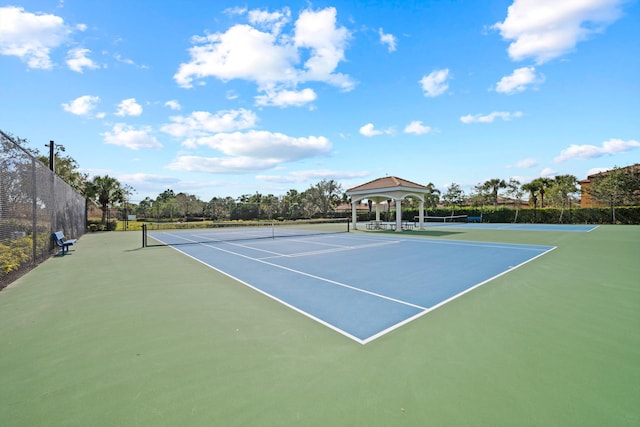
(34, 201)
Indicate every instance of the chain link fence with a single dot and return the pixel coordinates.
(34, 202)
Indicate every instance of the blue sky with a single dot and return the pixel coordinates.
(223, 98)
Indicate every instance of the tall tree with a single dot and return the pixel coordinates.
(543, 185)
(66, 168)
(324, 196)
(616, 187)
(432, 197)
(515, 191)
(454, 196)
(493, 186)
(187, 204)
(293, 204)
(105, 190)
(532, 188)
(480, 195)
(221, 208)
(144, 207)
(561, 189)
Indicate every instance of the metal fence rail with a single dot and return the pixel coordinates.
(34, 202)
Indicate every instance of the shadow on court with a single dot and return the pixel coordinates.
(419, 233)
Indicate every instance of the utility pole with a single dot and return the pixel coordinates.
(51, 146)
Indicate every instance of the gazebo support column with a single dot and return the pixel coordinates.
(377, 213)
(354, 214)
(421, 217)
(398, 215)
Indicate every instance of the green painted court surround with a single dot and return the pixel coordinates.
(114, 335)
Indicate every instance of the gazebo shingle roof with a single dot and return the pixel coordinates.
(386, 182)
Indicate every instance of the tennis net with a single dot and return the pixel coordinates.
(169, 234)
(446, 219)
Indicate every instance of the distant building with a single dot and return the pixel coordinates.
(346, 207)
(587, 200)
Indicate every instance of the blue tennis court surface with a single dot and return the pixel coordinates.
(571, 228)
(362, 286)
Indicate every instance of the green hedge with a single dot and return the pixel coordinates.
(17, 254)
(97, 225)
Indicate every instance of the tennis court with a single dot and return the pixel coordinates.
(115, 334)
(361, 286)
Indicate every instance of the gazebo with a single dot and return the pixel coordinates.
(388, 188)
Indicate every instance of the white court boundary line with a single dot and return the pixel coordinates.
(424, 310)
(333, 247)
(456, 296)
(307, 314)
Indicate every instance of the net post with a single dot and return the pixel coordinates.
(144, 235)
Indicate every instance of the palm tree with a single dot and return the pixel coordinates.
(543, 185)
(105, 190)
(494, 185)
(432, 197)
(532, 188)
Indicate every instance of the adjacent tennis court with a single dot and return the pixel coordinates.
(361, 286)
(571, 228)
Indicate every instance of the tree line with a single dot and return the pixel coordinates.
(319, 200)
(617, 187)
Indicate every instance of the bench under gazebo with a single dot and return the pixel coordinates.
(389, 188)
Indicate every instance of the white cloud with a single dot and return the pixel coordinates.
(129, 107)
(250, 151)
(435, 83)
(610, 147)
(518, 81)
(221, 164)
(118, 57)
(127, 136)
(137, 179)
(318, 32)
(82, 106)
(242, 52)
(203, 123)
(271, 21)
(236, 10)
(595, 171)
(547, 29)
(286, 98)
(173, 104)
(525, 163)
(264, 144)
(417, 128)
(77, 60)
(490, 118)
(31, 37)
(547, 172)
(388, 39)
(312, 175)
(369, 130)
(268, 58)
